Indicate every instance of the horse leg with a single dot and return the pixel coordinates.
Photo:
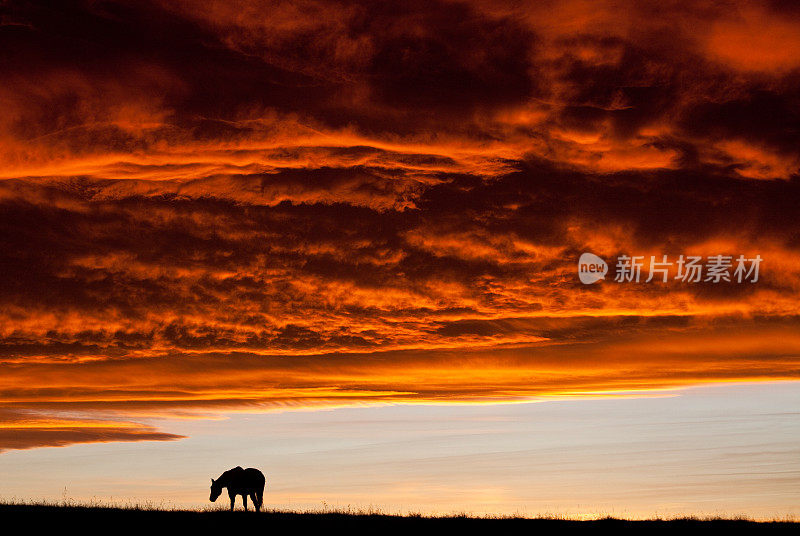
(254, 497)
(233, 500)
(244, 499)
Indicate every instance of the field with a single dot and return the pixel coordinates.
(133, 520)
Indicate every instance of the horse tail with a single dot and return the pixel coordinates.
(260, 492)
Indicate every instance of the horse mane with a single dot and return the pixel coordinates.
(224, 477)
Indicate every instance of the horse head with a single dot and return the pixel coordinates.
(216, 489)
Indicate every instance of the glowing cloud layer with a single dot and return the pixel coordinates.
(210, 209)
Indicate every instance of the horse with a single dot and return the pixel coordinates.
(242, 482)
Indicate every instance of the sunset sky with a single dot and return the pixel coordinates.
(339, 241)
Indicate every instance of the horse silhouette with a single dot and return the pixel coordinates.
(242, 482)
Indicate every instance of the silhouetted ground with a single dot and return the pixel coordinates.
(25, 518)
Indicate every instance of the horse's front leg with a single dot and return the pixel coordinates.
(233, 500)
(244, 500)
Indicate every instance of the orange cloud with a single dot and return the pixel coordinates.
(755, 39)
(27, 430)
(205, 208)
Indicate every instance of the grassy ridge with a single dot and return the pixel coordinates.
(150, 522)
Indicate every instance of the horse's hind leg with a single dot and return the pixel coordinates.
(244, 500)
(254, 498)
(233, 501)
